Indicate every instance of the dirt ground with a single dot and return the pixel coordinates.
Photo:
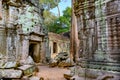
(51, 73)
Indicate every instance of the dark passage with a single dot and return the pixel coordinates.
(32, 50)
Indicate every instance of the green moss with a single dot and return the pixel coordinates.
(29, 19)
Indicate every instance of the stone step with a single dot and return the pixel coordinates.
(27, 69)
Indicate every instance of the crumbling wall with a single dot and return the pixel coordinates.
(62, 44)
(19, 18)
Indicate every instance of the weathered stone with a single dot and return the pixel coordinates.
(64, 64)
(27, 69)
(105, 77)
(10, 65)
(34, 78)
(53, 63)
(61, 56)
(58, 43)
(21, 28)
(67, 75)
(29, 60)
(10, 73)
(96, 24)
(76, 77)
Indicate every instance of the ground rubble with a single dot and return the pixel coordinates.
(61, 60)
(16, 69)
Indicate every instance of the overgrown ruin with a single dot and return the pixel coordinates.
(94, 41)
(58, 43)
(21, 33)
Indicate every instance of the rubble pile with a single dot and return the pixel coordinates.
(61, 60)
(16, 69)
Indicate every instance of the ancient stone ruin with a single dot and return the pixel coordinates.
(98, 56)
(58, 43)
(22, 41)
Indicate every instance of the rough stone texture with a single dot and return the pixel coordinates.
(98, 32)
(21, 36)
(10, 65)
(61, 60)
(29, 61)
(10, 73)
(58, 43)
(27, 69)
(20, 24)
(34, 78)
(67, 76)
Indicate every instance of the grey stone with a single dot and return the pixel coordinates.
(34, 78)
(28, 61)
(1, 56)
(76, 77)
(53, 63)
(105, 77)
(10, 65)
(24, 67)
(10, 73)
(1, 63)
(27, 69)
(68, 75)
(64, 64)
(61, 56)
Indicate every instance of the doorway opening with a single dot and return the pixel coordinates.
(54, 47)
(34, 51)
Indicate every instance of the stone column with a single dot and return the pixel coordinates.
(43, 55)
(25, 47)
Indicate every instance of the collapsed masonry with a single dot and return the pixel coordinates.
(59, 47)
(22, 36)
(58, 43)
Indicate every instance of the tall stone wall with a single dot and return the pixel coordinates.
(95, 19)
(98, 32)
(19, 19)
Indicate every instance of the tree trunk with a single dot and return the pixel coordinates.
(58, 10)
(74, 37)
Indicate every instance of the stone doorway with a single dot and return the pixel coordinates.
(34, 51)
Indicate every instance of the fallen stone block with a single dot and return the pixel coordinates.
(27, 69)
(10, 73)
(34, 78)
(28, 61)
(53, 63)
(67, 75)
(76, 77)
(10, 65)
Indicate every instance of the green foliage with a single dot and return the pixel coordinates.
(59, 24)
(49, 4)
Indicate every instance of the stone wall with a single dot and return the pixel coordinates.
(21, 22)
(62, 44)
(95, 31)
(98, 32)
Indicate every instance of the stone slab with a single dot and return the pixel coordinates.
(34, 78)
(25, 67)
(7, 65)
(10, 73)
